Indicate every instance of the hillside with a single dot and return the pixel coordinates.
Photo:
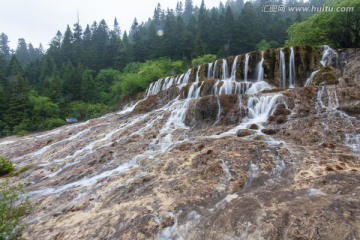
(257, 146)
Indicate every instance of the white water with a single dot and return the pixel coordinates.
(197, 74)
(198, 90)
(328, 55)
(310, 79)
(246, 67)
(219, 110)
(225, 70)
(282, 69)
(186, 77)
(258, 87)
(209, 73)
(292, 69)
(259, 109)
(233, 68)
(353, 141)
(215, 70)
(260, 68)
(84, 182)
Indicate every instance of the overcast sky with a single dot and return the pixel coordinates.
(37, 21)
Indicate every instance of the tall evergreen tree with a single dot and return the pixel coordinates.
(4, 49)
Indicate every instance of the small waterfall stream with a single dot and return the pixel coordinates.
(260, 68)
(282, 68)
(292, 69)
(246, 67)
(225, 70)
(233, 69)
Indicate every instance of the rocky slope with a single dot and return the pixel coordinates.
(193, 160)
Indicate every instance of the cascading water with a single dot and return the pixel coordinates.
(328, 55)
(186, 77)
(246, 67)
(260, 68)
(259, 109)
(209, 73)
(219, 111)
(225, 70)
(326, 60)
(309, 80)
(233, 69)
(194, 89)
(215, 70)
(292, 69)
(282, 69)
(197, 74)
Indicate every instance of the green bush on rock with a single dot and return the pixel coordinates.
(6, 166)
(13, 205)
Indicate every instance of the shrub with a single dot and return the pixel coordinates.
(13, 205)
(6, 166)
(208, 58)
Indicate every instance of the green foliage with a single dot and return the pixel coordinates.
(139, 76)
(21, 170)
(82, 110)
(203, 59)
(131, 84)
(43, 107)
(51, 123)
(339, 29)
(263, 45)
(132, 67)
(13, 205)
(310, 32)
(104, 81)
(6, 166)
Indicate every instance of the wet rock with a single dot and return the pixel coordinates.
(167, 222)
(254, 126)
(326, 76)
(270, 131)
(244, 133)
(281, 109)
(330, 145)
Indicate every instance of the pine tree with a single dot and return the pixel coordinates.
(19, 107)
(88, 88)
(21, 52)
(188, 11)
(4, 49)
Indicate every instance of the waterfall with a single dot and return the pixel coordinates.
(197, 74)
(225, 69)
(233, 69)
(246, 68)
(292, 69)
(215, 70)
(219, 110)
(186, 77)
(328, 54)
(191, 90)
(258, 87)
(259, 109)
(282, 69)
(260, 68)
(309, 80)
(178, 81)
(198, 90)
(209, 73)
